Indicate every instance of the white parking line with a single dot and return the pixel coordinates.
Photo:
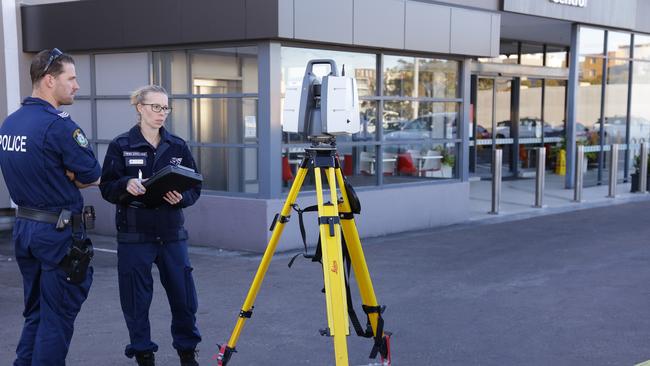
(106, 250)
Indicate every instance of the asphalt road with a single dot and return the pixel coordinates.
(566, 289)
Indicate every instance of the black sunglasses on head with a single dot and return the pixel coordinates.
(54, 54)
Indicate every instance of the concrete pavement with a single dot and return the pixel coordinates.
(560, 289)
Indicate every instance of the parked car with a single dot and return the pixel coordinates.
(436, 125)
(528, 128)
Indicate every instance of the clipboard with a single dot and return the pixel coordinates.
(170, 178)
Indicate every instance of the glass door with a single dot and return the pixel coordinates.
(491, 124)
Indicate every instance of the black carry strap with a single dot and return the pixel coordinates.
(316, 257)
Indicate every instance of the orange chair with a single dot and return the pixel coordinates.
(287, 175)
(405, 164)
(347, 165)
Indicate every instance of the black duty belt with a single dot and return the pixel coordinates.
(37, 215)
(61, 219)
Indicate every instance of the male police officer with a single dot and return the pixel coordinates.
(45, 158)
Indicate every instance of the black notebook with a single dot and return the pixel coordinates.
(170, 178)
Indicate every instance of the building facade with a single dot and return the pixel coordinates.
(441, 83)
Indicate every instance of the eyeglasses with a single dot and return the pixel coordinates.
(54, 54)
(158, 108)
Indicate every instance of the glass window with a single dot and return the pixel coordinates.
(114, 117)
(592, 41)
(228, 169)
(556, 56)
(530, 108)
(224, 70)
(640, 109)
(416, 161)
(178, 121)
(399, 76)
(589, 98)
(532, 54)
(173, 67)
(484, 108)
(616, 102)
(428, 121)
(224, 120)
(641, 47)
(80, 113)
(121, 73)
(554, 109)
(82, 68)
(436, 78)
(618, 44)
(362, 66)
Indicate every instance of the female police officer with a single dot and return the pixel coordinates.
(152, 235)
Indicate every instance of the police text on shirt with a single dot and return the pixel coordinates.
(13, 143)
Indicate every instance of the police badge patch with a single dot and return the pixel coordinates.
(176, 161)
(80, 138)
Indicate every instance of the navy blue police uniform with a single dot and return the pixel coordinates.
(151, 235)
(38, 143)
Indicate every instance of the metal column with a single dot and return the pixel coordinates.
(613, 170)
(643, 169)
(540, 177)
(577, 192)
(497, 158)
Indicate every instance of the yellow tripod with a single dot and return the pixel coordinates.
(333, 217)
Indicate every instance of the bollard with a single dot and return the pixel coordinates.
(577, 191)
(540, 177)
(613, 170)
(643, 169)
(497, 157)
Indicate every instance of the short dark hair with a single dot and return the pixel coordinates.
(39, 62)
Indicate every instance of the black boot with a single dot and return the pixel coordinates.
(188, 357)
(145, 359)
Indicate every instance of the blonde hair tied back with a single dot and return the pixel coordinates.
(138, 96)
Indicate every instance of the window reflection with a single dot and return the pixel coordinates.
(592, 41)
(641, 47)
(640, 108)
(618, 44)
(420, 77)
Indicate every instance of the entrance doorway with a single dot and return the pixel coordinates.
(516, 114)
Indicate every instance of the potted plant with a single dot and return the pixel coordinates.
(448, 161)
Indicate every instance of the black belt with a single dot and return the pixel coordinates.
(37, 215)
(50, 217)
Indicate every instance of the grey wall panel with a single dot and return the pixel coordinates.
(427, 27)
(327, 21)
(123, 23)
(285, 18)
(618, 13)
(213, 20)
(483, 4)
(42, 25)
(471, 32)
(379, 23)
(261, 18)
(642, 18)
(164, 27)
(495, 35)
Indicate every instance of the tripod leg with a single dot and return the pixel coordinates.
(333, 271)
(226, 350)
(357, 258)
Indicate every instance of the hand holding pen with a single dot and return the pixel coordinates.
(134, 185)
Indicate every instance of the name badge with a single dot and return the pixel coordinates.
(136, 161)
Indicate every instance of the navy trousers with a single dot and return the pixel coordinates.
(134, 263)
(51, 302)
